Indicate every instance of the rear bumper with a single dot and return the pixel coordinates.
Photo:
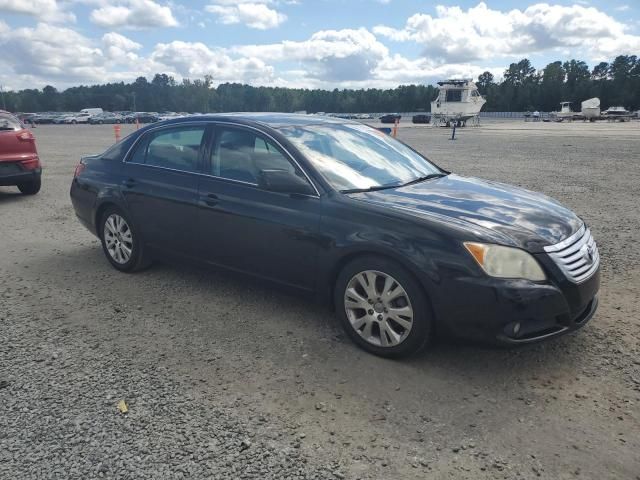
(17, 177)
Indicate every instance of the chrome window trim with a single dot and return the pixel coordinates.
(216, 123)
(200, 174)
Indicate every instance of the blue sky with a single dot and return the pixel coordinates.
(302, 43)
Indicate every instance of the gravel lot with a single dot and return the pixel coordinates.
(227, 378)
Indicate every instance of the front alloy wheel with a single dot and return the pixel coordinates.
(382, 306)
(378, 308)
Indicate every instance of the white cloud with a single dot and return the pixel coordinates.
(456, 35)
(253, 14)
(622, 8)
(133, 14)
(331, 55)
(50, 53)
(48, 10)
(456, 43)
(353, 59)
(197, 60)
(118, 47)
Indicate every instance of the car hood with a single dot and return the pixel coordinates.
(494, 211)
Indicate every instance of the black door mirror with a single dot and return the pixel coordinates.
(283, 181)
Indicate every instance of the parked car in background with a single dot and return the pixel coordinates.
(19, 161)
(390, 118)
(105, 117)
(44, 118)
(142, 117)
(332, 207)
(421, 118)
(26, 118)
(78, 118)
(92, 111)
(168, 115)
(61, 118)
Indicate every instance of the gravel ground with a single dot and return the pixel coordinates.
(227, 378)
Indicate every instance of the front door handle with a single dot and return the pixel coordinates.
(129, 183)
(211, 199)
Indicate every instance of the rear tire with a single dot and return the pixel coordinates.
(30, 188)
(121, 242)
(393, 303)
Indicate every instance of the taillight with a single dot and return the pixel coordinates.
(30, 164)
(79, 169)
(26, 136)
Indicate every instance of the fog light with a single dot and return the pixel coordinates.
(516, 328)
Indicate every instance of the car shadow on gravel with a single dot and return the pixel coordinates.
(303, 319)
(7, 196)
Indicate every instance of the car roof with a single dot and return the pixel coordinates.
(270, 119)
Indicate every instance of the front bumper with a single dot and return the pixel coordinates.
(515, 311)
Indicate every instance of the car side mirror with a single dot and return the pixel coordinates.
(283, 181)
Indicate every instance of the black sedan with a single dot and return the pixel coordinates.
(141, 117)
(390, 118)
(422, 118)
(400, 246)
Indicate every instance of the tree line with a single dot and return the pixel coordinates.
(522, 88)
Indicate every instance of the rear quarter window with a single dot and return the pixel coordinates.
(118, 151)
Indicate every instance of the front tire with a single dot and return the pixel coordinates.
(382, 307)
(121, 242)
(30, 188)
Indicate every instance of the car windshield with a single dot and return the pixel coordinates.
(358, 157)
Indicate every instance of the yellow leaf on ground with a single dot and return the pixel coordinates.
(122, 406)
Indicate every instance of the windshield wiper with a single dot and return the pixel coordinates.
(426, 177)
(370, 189)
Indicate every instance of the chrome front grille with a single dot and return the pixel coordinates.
(577, 256)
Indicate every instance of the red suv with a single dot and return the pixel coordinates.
(19, 162)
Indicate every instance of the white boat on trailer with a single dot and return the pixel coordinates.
(617, 114)
(590, 109)
(565, 113)
(458, 101)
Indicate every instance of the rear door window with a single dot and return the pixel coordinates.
(173, 148)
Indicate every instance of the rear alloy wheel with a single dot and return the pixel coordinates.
(30, 188)
(382, 307)
(120, 243)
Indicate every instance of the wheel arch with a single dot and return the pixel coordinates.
(100, 209)
(348, 257)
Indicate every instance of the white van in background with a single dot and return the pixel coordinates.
(91, 111)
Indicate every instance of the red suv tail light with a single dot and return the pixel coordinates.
(26, 136)
(79, 169)
(30, 164)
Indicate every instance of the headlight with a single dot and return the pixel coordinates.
(505, 262)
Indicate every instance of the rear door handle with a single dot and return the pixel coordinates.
(129, 183)
(211, 199)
